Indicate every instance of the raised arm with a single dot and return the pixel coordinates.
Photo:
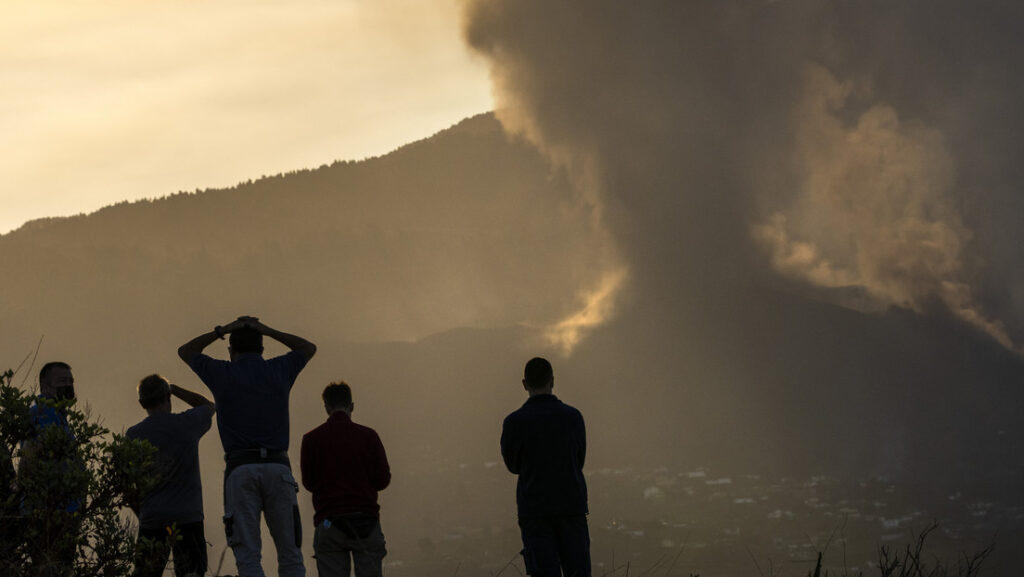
(293, 342)
(189, 350)
(194, 347)
(191, 398)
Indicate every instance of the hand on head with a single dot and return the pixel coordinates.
(240, 322)
(254, 323)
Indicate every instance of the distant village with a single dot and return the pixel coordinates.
(669, 522)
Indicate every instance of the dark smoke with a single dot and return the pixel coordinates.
(817, 205)
(856, 145)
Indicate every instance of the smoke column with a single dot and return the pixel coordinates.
(862, 150)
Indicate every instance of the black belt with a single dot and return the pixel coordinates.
(254, 456)
(263, 454)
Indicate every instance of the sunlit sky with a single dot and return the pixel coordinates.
(117, 100)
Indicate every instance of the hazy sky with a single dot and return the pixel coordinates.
(114, 100)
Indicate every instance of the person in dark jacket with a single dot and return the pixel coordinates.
(344, 466)
(545, 443)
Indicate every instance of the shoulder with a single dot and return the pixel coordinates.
(43, 415)
(40, 409)
(206, 409)
(202, 359)
(141, 430)
(514, 416)
(205, 365)
(573, 413)
(204, 412)
(315, 433)
(567, 408)
(367, 431)
(134, 431)
(517, 419)
(291, 357)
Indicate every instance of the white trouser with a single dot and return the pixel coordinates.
(271, 489)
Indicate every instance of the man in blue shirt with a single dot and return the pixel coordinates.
(545, 443)
(57, 546)
(56, 385)
(177, 500)
(252, 417)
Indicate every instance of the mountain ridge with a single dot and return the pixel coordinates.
(435, 261)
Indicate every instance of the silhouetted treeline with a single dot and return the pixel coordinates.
(394, 247)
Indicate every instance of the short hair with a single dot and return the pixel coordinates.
(337, 395)
(52, 365)
(538, 373)
(153, 390)
(246, 340)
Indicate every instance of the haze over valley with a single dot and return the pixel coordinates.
(772, 251)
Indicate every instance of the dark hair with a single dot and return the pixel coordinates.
(153, 390)
(246, 340)
(52, 365)
(538, 373)
(337, 395)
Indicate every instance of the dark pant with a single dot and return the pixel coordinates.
(189, 546)
(346, 541)
(556, 545)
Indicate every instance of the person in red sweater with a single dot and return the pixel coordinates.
(344, 466)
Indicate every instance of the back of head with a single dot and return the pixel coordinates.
(246, 340)
(153, 391)
(337, 396)
(50, 366)
(538, 373)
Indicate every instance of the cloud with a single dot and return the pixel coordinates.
(874, 208)
(864, 144)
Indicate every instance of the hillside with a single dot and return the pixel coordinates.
(437, 233)
(469, 230)
(423, 276)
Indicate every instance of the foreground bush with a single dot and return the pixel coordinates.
(63, 491)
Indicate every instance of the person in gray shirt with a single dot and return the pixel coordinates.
(171, 515)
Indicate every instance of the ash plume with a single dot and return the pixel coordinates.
(858, 146)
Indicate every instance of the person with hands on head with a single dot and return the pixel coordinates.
(252, 393)
(171, 515)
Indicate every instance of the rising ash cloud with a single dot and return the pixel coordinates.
(850, 148)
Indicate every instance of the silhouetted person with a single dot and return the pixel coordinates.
(55, 552)
(344, 466)
(56, 383)
(252, 417)
(545, 443)
(177, 500)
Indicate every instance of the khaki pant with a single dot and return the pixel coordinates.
(270, 489)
